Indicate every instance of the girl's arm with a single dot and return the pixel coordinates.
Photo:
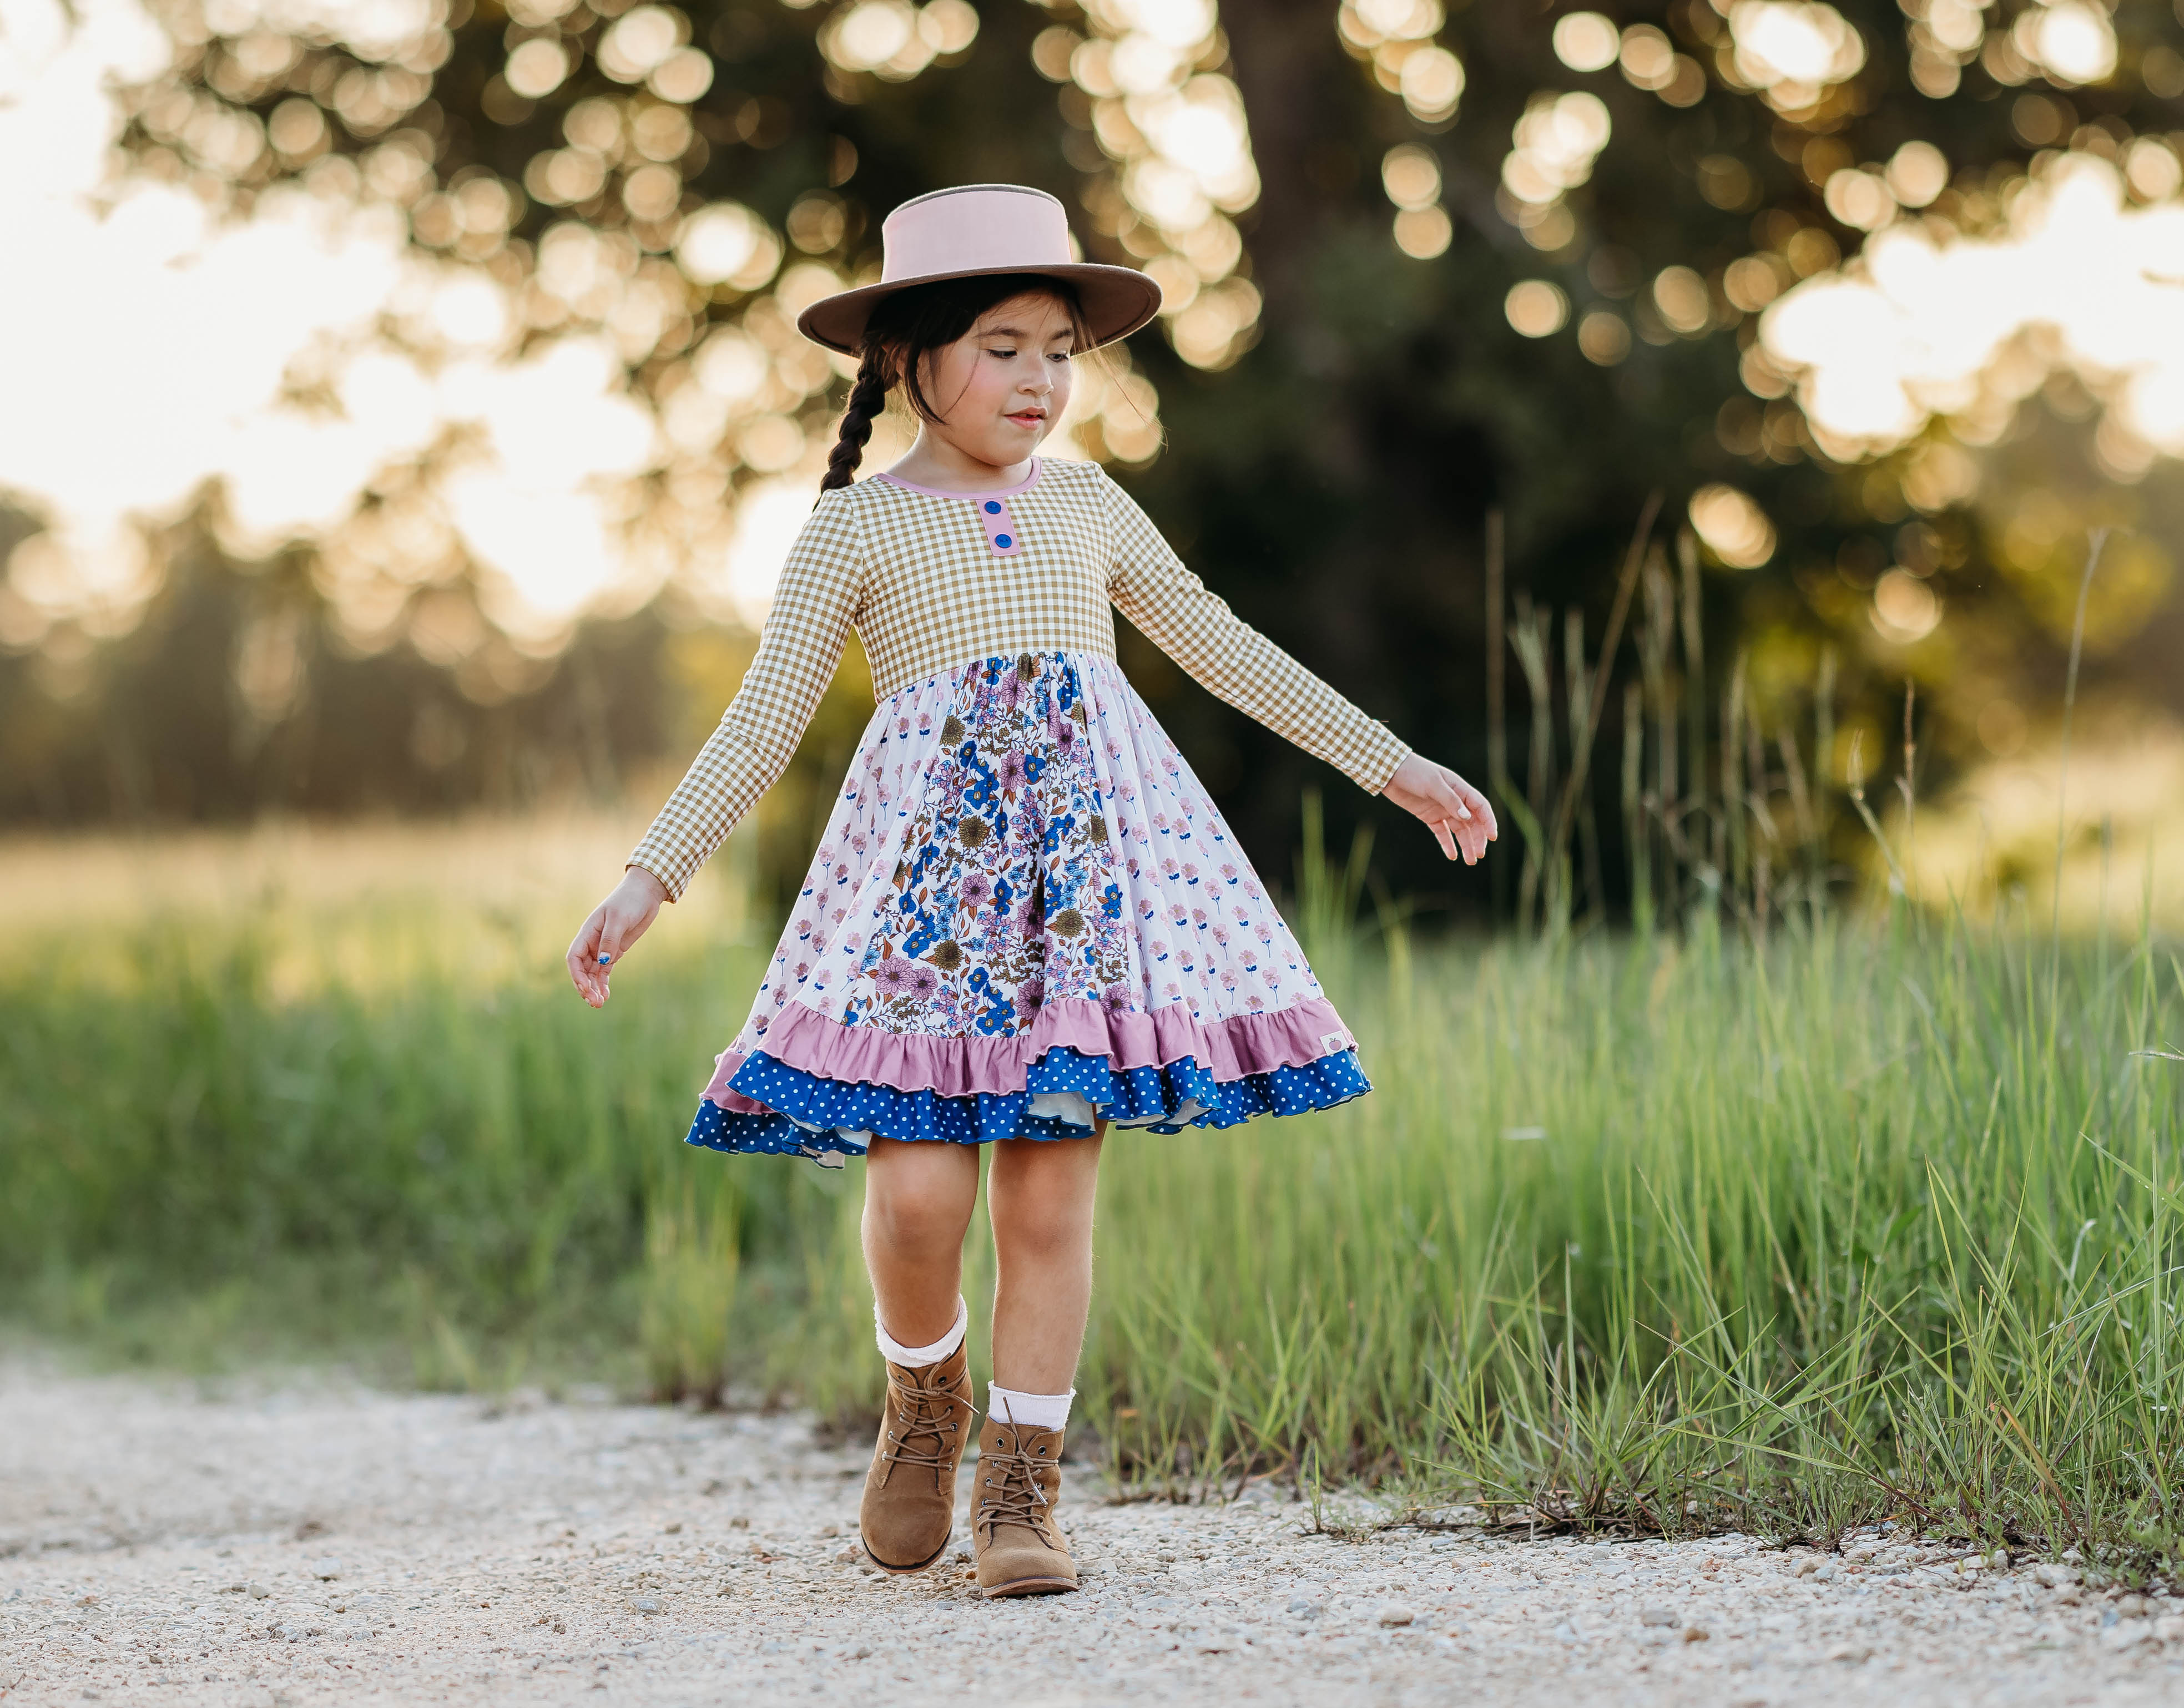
(797, 651)
(1193, 625)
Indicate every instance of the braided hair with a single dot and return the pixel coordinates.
(911, 324)
(868, 398)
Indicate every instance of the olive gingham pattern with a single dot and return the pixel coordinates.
(913, 573)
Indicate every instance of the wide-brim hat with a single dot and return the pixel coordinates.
(979, 229)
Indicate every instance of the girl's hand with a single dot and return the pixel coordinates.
(616, 923)
(1457, 813)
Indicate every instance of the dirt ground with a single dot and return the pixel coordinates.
(299, 1541)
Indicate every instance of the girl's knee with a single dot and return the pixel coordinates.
(918, 1206)
(1042, 1231)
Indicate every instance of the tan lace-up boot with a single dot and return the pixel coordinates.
(1019, 1546)
(909, 1508)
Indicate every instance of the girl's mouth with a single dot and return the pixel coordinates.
(1029, 418)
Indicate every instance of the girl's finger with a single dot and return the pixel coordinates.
(579, 956)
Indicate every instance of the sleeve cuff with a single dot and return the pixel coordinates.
(1380, 769)
(646, 859)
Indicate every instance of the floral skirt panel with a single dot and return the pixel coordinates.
(1025, 916)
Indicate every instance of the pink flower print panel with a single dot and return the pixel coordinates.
(816, 960)
(1206, 932)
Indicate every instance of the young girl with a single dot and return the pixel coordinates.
(1026, 922)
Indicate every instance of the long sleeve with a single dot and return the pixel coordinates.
(797, 651)
(1193, 625)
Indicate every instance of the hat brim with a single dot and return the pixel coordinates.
(1116, 302)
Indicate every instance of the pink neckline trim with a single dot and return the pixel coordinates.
(1036, 465)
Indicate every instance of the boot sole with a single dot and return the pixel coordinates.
(924, 1564)
(1030, 1586)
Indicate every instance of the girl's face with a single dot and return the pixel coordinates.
(1001, 386)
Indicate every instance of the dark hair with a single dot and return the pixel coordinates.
(911, 324)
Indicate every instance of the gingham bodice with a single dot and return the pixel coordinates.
(932, 579)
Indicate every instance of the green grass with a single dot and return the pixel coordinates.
(1658, 1234)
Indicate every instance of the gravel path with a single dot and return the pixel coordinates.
(310, 1544)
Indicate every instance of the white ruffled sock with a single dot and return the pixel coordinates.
(918, 1357)
(1031, 1410)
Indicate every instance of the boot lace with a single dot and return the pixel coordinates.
(1014, 1496)
(929, 1412)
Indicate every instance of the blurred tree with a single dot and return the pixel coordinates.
(1419, 268)
(234, 694)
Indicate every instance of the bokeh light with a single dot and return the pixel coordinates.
(1395, 37)
(1536, 308)
(1792, 52)
(1179, 167)
(1586, 40)
(1943, 325)
(1557, 140)
(1733, 528)
(1904, 607)
(2070, 41)
(1604, 336)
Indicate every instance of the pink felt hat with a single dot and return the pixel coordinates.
(977, 229)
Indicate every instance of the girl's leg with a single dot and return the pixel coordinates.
(1039, 1194)
(918, 1200)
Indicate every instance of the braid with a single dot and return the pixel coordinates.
(868, 398)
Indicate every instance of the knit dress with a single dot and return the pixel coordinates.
(1025, 913)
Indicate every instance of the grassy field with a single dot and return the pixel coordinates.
(1658, 1234)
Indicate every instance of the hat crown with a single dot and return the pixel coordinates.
(974, 228)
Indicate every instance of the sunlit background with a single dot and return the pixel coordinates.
(450, 334)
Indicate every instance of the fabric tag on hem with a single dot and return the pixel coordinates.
(1332, 1042)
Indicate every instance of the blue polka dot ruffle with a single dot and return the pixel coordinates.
(829, 1120)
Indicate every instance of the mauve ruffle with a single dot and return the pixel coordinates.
(1229, 1050)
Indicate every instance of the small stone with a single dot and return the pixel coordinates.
(674, 1529)
(2125, 1635)
(644, 1601)
(326, 1570)
(256, 1591)
(2134, 1607)
(1694, 1633)
(1808, 1566)
(2053, 1576)
(2169, 1626)
(846, 1557)
(1852, 1652)
(1395, 1613)
(1999, 1560)
(1656, 1615)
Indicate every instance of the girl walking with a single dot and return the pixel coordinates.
(1026, 922)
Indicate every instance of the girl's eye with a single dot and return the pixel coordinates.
(1005, 355)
